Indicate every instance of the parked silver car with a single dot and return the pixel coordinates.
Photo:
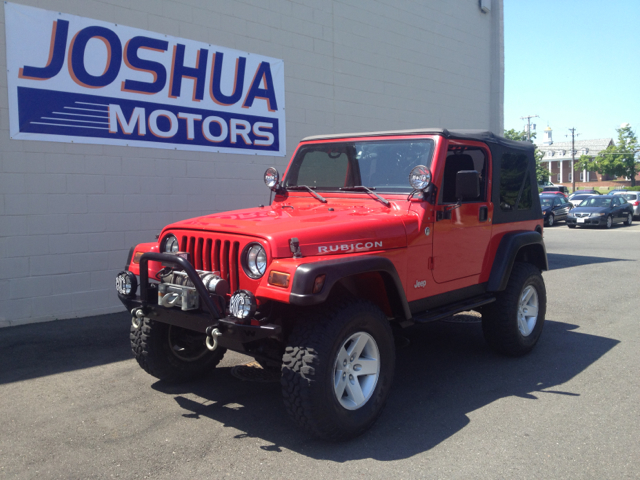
(634, 199)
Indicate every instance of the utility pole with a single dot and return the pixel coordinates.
(573, 158)
(528, 119)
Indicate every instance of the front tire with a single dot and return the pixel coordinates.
(513, 323)
(609, 223)
(337, 370)
(171, 353)
(550, 221)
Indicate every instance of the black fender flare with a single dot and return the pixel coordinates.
(335, 270)
(507, 253)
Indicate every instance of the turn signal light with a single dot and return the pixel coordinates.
(136, 257)
(279, 279)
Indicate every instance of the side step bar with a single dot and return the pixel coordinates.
(448, 310)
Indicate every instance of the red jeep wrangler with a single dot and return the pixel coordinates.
(367, 233)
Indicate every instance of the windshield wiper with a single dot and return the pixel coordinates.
(310, 189)
(368, 190)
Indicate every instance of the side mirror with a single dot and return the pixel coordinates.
(467, 185)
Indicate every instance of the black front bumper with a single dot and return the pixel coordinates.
(588, 221)
(236, 334)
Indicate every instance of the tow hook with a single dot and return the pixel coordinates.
(137, 317)
(212, 338)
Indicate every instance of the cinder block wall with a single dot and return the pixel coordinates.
(70, 212)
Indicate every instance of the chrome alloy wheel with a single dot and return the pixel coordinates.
(356, 370)
(528, 310)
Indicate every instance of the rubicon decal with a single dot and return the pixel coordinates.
(349, 247)
(73, 79)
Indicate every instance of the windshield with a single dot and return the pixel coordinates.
(546, 202)
(596, 202)
(383, 165)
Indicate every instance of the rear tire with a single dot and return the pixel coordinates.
(171, 353)
(629, 220)
(571, 226)
(513, 323)
(337, 370)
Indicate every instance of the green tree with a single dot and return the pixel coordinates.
(620, 159)
(542, 173)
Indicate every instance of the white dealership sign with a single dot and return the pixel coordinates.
(74, 79)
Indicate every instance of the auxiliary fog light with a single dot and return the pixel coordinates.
(126, 284)
(271, 178)
(420, 177)
(243, 305)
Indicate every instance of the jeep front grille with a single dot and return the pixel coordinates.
(214, 254)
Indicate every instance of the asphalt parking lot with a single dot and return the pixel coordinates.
(75, 405)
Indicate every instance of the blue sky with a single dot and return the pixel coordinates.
(576, 63)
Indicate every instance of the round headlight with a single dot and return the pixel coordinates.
(126, 283)
(170, 244)
(255, 260)
(271, 177)
(420, 177)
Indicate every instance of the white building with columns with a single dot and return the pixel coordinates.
(558, 155)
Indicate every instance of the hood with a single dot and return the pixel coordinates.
(321, 229)
(590, 209)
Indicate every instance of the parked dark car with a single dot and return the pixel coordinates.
(602, 210)
(557, 188)
(554, 208)
(588, 191)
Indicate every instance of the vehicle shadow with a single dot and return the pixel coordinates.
(445, 373)
(67, 345)
(558, 261)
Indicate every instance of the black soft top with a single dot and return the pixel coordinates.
(478, 135)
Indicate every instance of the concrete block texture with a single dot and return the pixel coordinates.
(69, 212)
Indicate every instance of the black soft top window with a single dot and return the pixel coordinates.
(515, 186)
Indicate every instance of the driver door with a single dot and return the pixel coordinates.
(461, 231)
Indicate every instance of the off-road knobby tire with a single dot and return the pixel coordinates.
(308, 363)
(499, 319)
(151, 347)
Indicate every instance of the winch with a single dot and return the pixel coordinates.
(177, 290)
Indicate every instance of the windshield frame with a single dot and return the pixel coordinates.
(352, 147)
